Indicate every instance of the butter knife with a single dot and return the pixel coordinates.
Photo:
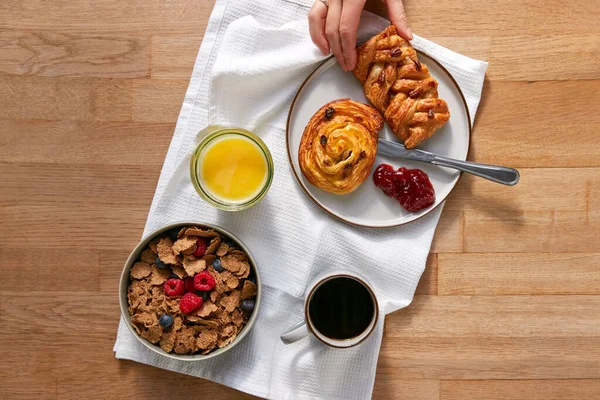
(496, 173)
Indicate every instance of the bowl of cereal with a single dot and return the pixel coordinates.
(190, 291)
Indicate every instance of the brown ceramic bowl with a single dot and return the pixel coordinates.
(124, 283)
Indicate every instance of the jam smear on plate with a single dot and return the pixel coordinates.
(411, 187)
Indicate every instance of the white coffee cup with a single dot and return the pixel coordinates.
(308, 326)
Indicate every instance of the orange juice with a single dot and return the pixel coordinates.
(233, 168)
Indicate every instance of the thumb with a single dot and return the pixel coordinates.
(398, 18)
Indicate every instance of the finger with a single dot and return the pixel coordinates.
(349, 21)
(398, 18)
(316, 26)
(332, 31)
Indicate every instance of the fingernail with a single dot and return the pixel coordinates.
(409, 31)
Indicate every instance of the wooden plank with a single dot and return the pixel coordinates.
(511, 57)
(109, 16)
(43, 368)
(497, 316)
(533, 130)
(75, 185)
(593, 194)
(89, 142)
(111, 264)
(173, 57)
(549, 103)
(490, 357)
(477, 47)
(157, 100)
(105, 379)
(32, 377)
(580, 389)
(449, 233)
(429, 279)
(517, 231)
(490, 337)
(507, 18)
(66, 314)
(88, 226)
(65, 98)
(522, 273)
(49, 270)
(563, 189)
(471, 17)
(59, 54)
(537, 58)
(387, 386)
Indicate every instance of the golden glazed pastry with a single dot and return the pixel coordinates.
(400, 87)
(339, 144)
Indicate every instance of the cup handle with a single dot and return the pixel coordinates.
(295, 334)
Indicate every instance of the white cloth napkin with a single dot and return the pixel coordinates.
(250, 64)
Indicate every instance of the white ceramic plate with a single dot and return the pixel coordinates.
(368, 206)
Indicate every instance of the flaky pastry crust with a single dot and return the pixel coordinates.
(400, 87)
(339, 145)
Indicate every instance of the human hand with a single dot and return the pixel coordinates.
(333, 28)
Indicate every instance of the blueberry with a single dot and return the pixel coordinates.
(230, 243)
(160, 264)
(252, 279)
(172, 233)
(217, 266)
(248, 305)
(205, 294)
(165, 320)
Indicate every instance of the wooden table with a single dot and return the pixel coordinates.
(509, 306)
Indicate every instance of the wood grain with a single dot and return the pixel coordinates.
(157, 100)
(85, 142)
(48, 98)
(388, 386)
(490, 357)
(173, 56)
(533, 122)
(109, 16)
(449, 234)
(428, 285)
(549, 189)
(59, 54)
(518, 273)
(100, 185)
(507, 18)
(81, 270)
(497, 316)
(580, 389)
(531, 231)
(509, 303)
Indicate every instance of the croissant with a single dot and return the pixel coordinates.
(339, 144)
(400, 87)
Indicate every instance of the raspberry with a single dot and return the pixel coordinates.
(200, 247)
(204, 281)
(174, 287)
(189, 285)
(190, 302)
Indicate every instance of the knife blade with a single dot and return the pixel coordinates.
(495, 173)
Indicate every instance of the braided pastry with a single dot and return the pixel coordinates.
(400, 87)
(339, 144)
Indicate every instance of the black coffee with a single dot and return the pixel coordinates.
(341, 308)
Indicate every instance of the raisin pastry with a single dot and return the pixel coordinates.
(339, 145)
(400, 87)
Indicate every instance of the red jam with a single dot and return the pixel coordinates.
(411, 187)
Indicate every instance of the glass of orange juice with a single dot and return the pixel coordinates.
(232, 169)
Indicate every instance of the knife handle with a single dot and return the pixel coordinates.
(496, 173)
